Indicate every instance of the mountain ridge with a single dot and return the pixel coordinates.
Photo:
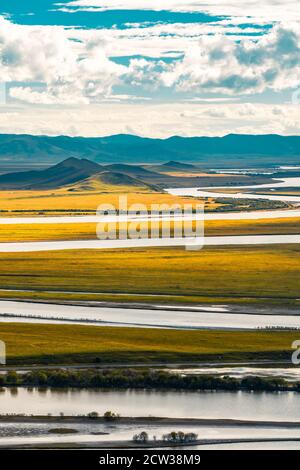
(76, 174)
(64, 173)
(240, 150)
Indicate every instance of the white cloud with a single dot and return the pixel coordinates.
(272, 10)
(99, 5)
(71, 71)
(217, 64)
(74, 65)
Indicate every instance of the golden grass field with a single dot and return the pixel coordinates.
(254, 273)
(247, 274)
(56, 201)
(38, 344)
(263, 273)
(74, 298)
(87, 231)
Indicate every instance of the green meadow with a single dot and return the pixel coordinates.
(63, 344)
(258, 273)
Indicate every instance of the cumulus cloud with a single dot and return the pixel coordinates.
(218, 64)
(70, 70)
(76, 66)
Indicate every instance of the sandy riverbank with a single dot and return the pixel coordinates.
(147, 420)
(211, 308)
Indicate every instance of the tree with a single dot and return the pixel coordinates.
(190, 437)
(144, 437)
(12, 377)
(110, 416)
(180, 437)
(141, 438)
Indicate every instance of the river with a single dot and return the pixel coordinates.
(210, 191)
(105, 316)
(153, 242)
(189, 243)
(253, 406)
(85, 219)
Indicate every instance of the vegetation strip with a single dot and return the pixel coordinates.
(144, 379)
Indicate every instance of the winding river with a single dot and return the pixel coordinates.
(210, 191)
(152, 242)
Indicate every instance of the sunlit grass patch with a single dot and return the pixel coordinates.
(46, 344)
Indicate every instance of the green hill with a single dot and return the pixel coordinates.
(174, 166)
(108, 179)
(67, 172)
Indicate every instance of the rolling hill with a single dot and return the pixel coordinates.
(81, 174)
(65, 173)
(174, 166)
(108, 179)
(131, 170)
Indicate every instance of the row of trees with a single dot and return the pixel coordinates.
(180, 437)
(173, 437)
(146, 378)
(108, 415)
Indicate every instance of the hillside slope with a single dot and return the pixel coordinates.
(109, 180)
(67, 172)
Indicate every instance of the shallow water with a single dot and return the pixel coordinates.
(192, 243)
(184, 319)
(210, 191)
(288, 445)
(291, 374)
(208, 216)
(284, 406)
(31, 433)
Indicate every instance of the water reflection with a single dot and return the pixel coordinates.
(281, 406)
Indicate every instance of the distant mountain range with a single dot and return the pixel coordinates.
(229, 151)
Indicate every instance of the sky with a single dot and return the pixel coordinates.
(149, 68)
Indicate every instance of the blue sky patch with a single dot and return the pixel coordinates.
(47, 12)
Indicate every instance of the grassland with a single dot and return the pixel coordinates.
(287, 192)
(289, 225)
(62, 344)
(59, 201)
(254, 272)
(87, 231)
(116, 299)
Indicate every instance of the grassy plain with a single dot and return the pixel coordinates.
(62, 201)
(46, 344)
(262, 273)
(289, 225)
(75, 298)
(87, 231)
